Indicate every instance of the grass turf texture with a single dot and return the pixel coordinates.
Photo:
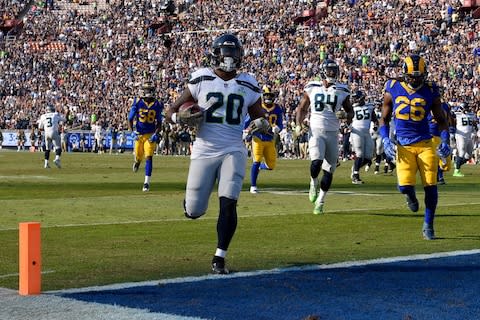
(98, 227)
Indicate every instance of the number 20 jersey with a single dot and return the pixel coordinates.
(411, 109)
(225, 105)
(324, 102)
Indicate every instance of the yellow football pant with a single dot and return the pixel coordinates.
(419, 157)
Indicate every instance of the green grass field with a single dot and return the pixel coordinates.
(98, 227)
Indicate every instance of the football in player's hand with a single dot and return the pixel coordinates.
(189, 107)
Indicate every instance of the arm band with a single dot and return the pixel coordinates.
(384, 131)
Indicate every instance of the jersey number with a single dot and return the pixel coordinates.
(467, 122)
(410, 109)
(362, 114)
(321, 101)
(147, 115)
(49, 122)
(233, 109)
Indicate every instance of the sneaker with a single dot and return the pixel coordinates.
(57, 163)
(412, 203)
(46, 166)
(318, 209)
(457, 173)
(146, 187)
(356, 179)
(428, 232)
(313, 192)
(441, 181)
(377, 170)
(135, 167)
(253, 189)
(218, 266)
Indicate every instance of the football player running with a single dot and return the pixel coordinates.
(263, 145)
(50, 122)
(465, 124)
(362, 142)
(145, 121)
(219, 153)
(410, 100)
(325, 100)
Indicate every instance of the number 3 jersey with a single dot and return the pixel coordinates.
(324, 102)
(411, 109)
(225, 105)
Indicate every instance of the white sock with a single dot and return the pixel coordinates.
(321, 196)
(220, 253)
(147, 179)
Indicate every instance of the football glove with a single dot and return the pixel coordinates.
(190, 119)
(341, 114)
(389, 148)
(135, 135)
(260, 125)
(154, 137)
(443, 150)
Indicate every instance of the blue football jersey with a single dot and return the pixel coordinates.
(147, 115)
(274, 117)
(411, 109)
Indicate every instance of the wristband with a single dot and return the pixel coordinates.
(384, 131)
(445, 136)
(174, 117)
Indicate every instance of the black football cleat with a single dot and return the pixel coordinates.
(218, 266)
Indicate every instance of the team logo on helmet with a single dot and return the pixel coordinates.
(268, 95)
(148, 90)
(414, 71)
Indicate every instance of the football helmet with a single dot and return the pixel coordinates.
(329, 71)
(268, 96)
(148, 90)
(414, 71)
(358, 98)
(50, 108)
(227, 53)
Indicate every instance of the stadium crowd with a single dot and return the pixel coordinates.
(92, 62)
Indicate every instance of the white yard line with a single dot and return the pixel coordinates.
(16, 274)
(346, 264)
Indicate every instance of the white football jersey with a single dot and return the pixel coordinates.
(225, 105)
(362, 116)
(465, 122)
(324, 102)
(50, 123)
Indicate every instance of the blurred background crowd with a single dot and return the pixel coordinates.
(91, 57)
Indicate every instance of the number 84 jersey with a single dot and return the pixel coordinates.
(324, 102)
(225, 105)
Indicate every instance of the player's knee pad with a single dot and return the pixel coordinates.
(326, 181)
(315, 168)
(187, 214)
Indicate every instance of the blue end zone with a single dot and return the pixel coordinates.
(439, 288)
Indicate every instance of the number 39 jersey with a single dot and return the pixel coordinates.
(411, 109)
(225, 105)
(324, 102)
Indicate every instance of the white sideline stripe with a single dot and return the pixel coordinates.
(72, 225)
(17, 274)
(26, 177)
(339, 265)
